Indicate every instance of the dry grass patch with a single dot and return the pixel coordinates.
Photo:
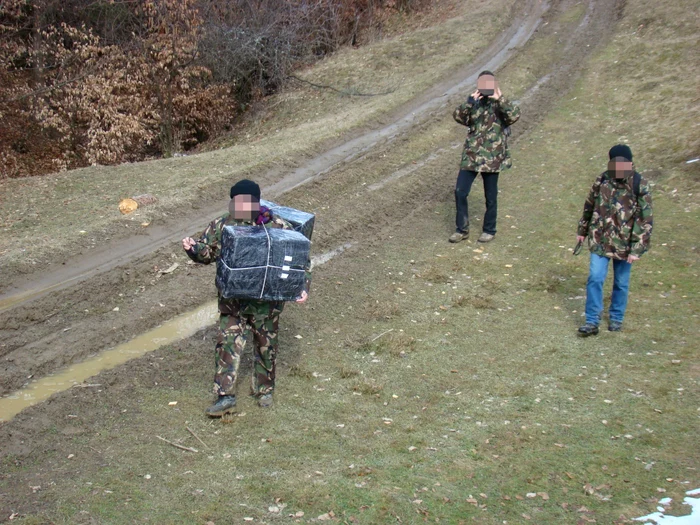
(367, 387)
(434, 274)
(346, 372)
(398, 344)
(378, 311)
(300, 371)
(477, 301)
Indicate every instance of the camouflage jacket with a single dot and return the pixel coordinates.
(486, 147)
(207, 250)
(617, 222)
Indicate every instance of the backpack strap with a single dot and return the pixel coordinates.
(636, 182)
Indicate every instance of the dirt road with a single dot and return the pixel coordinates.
(119, 252)
(53, 319)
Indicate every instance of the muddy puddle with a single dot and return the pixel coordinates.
(10, 301)
(178, 328)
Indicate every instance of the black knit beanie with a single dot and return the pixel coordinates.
(245, 187)
(621, 150)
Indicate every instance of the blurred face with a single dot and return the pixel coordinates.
(244, 207)
(486, 85)
(620, 168)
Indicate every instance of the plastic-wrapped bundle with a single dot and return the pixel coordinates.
(262, 263)
(302, 221)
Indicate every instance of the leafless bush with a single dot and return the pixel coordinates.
(253, 45)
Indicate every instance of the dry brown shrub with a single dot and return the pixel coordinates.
(109, 81)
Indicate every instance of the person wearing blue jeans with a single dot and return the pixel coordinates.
(617, 219)
(594, 289)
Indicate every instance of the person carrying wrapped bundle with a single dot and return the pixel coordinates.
(239, 318)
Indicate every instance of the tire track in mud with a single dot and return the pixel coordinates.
(413, 185)
(176, 329)
(37, 341)
(424, 106)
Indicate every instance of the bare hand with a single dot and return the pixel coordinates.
(497, 93)
(580, 238)
(631, 258)
(476, 95)
(188, 243)
(302, 299)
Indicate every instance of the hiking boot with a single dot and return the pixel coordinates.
(588, 329)
(224, 405)
(459, 236)
(265, 400)
(615, 326)
(486, 237)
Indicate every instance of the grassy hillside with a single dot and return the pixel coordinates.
(435, 382)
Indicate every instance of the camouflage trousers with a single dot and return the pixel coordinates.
(234, 331)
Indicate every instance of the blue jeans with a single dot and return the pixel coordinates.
(465, 179)
(594, 289)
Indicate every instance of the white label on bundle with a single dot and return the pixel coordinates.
(285, 268)
(284, 276)
(288, 258)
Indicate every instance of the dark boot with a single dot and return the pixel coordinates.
(588, 329)
(265, 400)
(615, 326)
(224, 405)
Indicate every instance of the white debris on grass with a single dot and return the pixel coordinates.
(325, 257)
(660, 518)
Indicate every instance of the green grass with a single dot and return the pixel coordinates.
(513, 418)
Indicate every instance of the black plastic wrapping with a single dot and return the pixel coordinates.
(302, 221)
(262, 263)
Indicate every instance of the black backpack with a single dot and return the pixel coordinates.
(636, 183)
